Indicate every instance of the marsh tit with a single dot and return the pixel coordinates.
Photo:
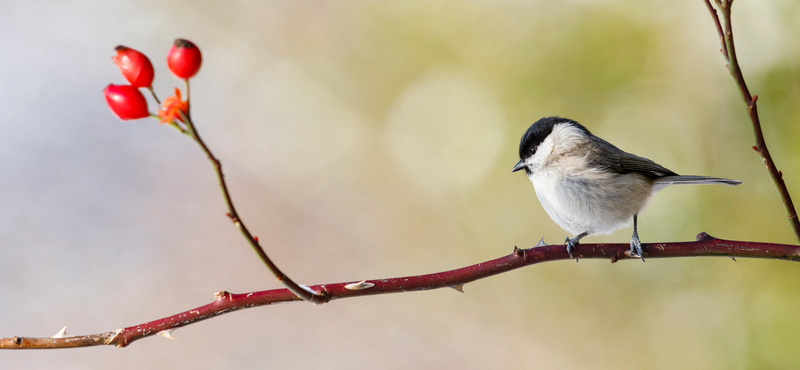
(589, 186)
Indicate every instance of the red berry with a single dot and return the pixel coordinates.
(127, 102)
(135, 66)
(184, 59)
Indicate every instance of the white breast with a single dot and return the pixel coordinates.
(581, 199)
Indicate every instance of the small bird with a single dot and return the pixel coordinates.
(589, 186)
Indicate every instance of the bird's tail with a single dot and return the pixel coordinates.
(695, 180)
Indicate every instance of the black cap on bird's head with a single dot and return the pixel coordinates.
(536, 134)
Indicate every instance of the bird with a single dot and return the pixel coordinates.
(589, 186)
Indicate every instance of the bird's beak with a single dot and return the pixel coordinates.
(520, 165)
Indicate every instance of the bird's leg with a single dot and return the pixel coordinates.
(636, 245)
(572, 243)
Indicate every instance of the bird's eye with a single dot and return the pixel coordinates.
(533, 149)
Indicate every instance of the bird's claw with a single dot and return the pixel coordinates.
(636, 247)
(570, 244)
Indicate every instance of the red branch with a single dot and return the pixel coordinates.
(225, 302)
(729, 51)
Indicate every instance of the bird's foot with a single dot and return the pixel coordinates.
(636, 247)
(571, 244)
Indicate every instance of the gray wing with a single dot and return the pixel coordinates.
(608, 156)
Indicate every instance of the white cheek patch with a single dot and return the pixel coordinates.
(537, 160)
(567, 137)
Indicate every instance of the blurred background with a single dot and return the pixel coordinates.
(370, 139)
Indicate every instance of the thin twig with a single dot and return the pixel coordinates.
(153, 92)
(724, 49)
(729, 51)
(226, 302)
(302, 292)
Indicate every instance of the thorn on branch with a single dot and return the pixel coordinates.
(755, 98)
(703, 236)
(459, 288)
(61, 333)
(114, 338)
(167, 333)
(361, 285)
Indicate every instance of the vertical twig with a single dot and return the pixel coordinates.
(729, 51)
(300, 291)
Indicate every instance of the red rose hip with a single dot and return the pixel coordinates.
(184, 59)
(135, 66)
(126, 102)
